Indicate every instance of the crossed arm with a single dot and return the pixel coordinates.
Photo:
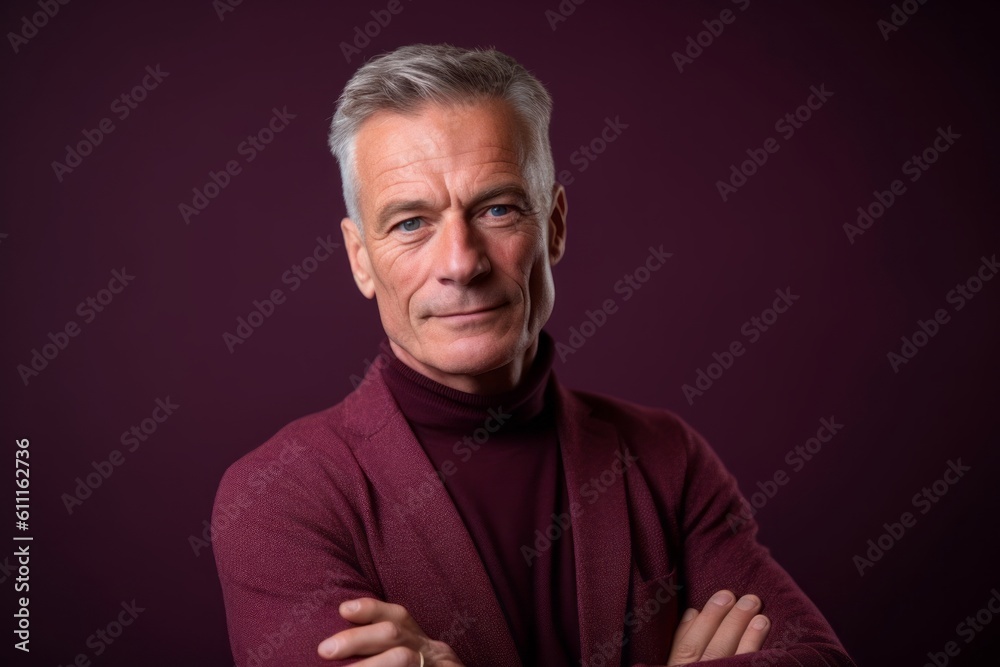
(725, 554)
(303, 614)
(386, 635)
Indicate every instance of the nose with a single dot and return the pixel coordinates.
(460, 252)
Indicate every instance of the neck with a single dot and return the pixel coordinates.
(496, 381)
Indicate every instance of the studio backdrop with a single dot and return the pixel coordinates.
(782, 226)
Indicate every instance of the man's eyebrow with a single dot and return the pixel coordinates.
(393, 209)
(499, 191)
(397, 207)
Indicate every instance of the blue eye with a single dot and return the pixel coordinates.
(410, 225)
(499, 211)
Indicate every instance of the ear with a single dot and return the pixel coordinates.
(357, 254)
(557, 224)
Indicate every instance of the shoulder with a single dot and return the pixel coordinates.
(637, 422)
(322, 442)
(302, 486)
(306, 460)
(658, 435)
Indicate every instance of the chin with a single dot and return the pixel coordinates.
(477, 353)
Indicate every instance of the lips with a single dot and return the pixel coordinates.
(473, 311)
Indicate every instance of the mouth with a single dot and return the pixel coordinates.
(473, 312)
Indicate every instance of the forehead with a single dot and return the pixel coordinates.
(437, 139)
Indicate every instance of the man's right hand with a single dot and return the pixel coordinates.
(388, 634)
(723, 628)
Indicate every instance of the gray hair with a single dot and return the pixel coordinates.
(403, 80)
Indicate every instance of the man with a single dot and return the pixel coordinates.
(461, 506)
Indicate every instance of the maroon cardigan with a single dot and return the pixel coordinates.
(319, 514)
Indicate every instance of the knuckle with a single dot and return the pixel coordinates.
(400, 656)
(686, 652)
(438, 647)
(389, 631)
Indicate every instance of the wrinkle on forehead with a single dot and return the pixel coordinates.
(396, 150)
(443, 130)
(444, 188)
(416, 158)
(411, 175)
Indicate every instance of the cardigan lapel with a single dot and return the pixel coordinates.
(446, 557)
(595, 465)
(396, 464)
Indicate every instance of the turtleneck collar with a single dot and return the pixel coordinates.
(430, 404)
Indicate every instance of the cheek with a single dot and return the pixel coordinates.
(542, 289)
(397, 277)
(523, 254)
(539, 276)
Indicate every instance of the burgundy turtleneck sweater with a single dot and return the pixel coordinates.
(498, 457)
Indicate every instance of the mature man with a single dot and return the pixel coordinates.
(461, 506)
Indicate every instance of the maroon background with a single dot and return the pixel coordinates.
(654, 185)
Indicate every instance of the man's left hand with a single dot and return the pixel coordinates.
(723, 628)
(388, 634)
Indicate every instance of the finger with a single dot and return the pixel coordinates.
(734, 625)
(396, 657)
(689, 615)
(692, 645)
(370, 610)
(755, 635)
(365, 640)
